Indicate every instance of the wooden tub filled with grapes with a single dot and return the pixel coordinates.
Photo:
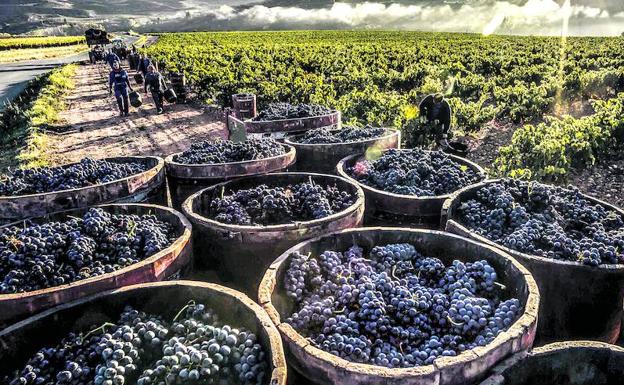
(281, 119)
(572, 244)
(178, 332)
(36, 192)
(51, 260)
(386, 306)
(321, 149)
(241, 226)
(210, 162)
(408, 187)
(563, 363)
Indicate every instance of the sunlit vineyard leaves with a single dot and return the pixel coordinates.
(372, 77)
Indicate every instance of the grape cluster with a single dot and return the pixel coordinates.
(226, 151)
(264, 205)
(87, 172)
(345, 135)
(279, 111)
(144, 349)
(414, 172)
(547, 221)
(39, 256)
(393, 306)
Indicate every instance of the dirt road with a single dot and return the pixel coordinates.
(98, 130)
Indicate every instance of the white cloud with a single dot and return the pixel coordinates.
(532, 17)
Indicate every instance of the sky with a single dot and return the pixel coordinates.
(526, 17)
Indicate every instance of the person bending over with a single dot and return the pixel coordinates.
(118, 80)
(436, 112)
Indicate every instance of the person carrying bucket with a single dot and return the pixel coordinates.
(118, 79)
(156, 84)
(112, 58)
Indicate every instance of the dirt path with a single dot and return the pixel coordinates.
(98, 131)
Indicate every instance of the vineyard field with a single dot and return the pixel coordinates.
(39, 42)
(533, 83)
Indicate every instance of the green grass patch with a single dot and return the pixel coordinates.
(22, 124)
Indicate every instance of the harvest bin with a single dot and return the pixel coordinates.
(166, 264)
(147, 186)
(320, 367)
(239, 255)
(578, 301)
(289, 126)
(323, 158)
(22, 340)
(563, 363)
(244, 106)
(186, 179)
(389, 209)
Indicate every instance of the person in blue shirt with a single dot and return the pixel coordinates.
(119, 81)
(112, 58)
(144, 63)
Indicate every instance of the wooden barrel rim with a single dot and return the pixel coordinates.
(291, 336)
(388, 133)
(258, 122)
(341, 168)
(555, 346)
(466, 232)
(278, 374)
(160, 164)
(178, 245)
(498, 375)
(187, 208)
(171, 164)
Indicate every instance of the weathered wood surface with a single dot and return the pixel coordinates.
(578, 301)
(323, 368)
(166, 263)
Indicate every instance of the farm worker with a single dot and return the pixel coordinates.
(156, 84)
(118, 79)
(144, 62)
(112, 58)
(434, 109)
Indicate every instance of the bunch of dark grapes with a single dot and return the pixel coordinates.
(144, 349)
(39, 256)
(279, 111)
(393, 306)
(226, 151)
(87, 172)
(264, 205)
(345, 135)
(414, 172)
(547, 221)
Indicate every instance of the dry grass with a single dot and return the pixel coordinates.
(15, 55)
